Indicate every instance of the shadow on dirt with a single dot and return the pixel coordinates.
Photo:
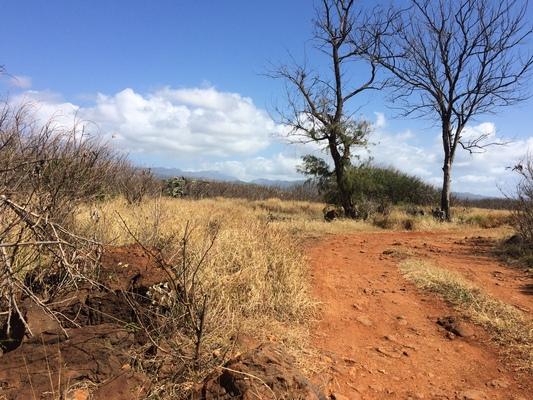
(527, 289)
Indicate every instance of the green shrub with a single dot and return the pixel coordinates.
(373, 189)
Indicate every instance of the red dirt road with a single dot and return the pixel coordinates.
(379, 334)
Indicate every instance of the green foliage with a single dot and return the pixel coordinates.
(318, 171)
(376, 183)
(175, 187)
(369, 184)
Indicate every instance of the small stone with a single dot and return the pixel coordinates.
(451, 324)
(364, 320)
(499, 383)
(472, 394)
(401, 320)
(387, 353)
(376, 388)
(464, 330)
(337, 396)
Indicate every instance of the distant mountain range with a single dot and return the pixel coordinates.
(166, 173)
(471, 196)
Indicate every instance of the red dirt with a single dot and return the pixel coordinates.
(379, 333)
(97, 351)
(127, 267)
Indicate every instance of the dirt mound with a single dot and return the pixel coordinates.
(263, 373)
(93, 348)
(44, 368)
(129, 267)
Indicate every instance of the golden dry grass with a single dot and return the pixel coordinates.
(255, 273)
(256, 266)
(509, 327)
(399, 219)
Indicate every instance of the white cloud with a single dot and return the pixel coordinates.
(20, 81)
(483, 173)
(180, 122)
(45, 106)
(277, 167)
(487, 129)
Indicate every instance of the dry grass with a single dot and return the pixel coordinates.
(399, 219)
(255, 273)
(508, 326)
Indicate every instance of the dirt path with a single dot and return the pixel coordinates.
(379, 333)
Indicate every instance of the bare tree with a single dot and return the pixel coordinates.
(456, 60)
(317, 102)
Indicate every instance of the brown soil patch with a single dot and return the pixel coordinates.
(95, 348)
(379, 334)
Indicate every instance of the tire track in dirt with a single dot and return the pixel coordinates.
(378, 333)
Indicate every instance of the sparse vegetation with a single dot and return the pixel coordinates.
(523, 215)
(246, 274)
(112, 280)
(518, 249)
(509, 327)
(317, 103)
(199, 189)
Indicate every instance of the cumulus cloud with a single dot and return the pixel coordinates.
(47, 107)
(179, 122)
(381, 122)
(484, 173)
(485, 129)
(279, 166)
(409, 151)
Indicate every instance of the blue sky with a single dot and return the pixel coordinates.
(181, 84)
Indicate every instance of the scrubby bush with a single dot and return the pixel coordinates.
(523, 215)
(519, 248)
(199, 189)
(390, 185)
(373, 189)
(46, 172)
